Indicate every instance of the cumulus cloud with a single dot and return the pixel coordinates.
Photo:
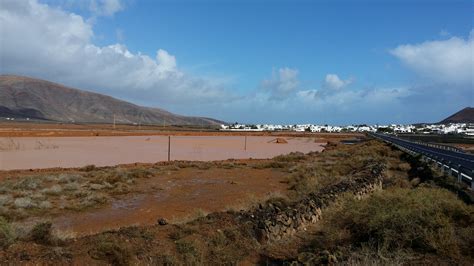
(331, 85)
(332, 81)
(42, 41)
(282, 83)
(448, 61)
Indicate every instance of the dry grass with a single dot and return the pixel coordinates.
(21, 197)
(41, 233)
(339, 162)
(112, 251)
(415, 221)
(7, 235)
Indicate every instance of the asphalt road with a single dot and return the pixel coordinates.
(451, 158)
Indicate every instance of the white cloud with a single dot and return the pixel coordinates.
(332, 85)
(307, 94)
(332, 81)
(50, 43)
(166, 61)
(282, 83)
(105, 7)
(447, 61)
(371, 95)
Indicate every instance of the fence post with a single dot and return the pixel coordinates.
(169, 148)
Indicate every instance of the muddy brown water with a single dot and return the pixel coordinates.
(175, 195)
(48, 152)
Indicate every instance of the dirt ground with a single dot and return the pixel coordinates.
(12, 129)
(464, 146)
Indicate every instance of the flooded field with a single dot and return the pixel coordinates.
(177, 196)
(48, 152)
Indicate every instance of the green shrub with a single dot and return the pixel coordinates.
(88, 168)
(54, 190)
(24, 202)
(7, 236)
(291, 157)
(111, 251)
(139, 173)
(190, 252)
(28, 183)
(423, 220)
(41, 233)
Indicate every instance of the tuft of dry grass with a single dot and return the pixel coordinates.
(422, 220)
(112, 251)
(189, 251)
(91, 187)
(41, 233)
(7, 235)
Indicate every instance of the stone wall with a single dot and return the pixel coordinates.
(276, 220)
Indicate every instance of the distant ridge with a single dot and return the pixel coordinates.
(25, 97)
(466, 115)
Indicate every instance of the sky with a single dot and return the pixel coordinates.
(323, 62)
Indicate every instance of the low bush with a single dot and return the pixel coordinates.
(54, 190)
(28, 183)
(5, 200)
(291, 157)
(41, 233)
(24, 202)
(111, 251)
(68, 178)
(88, 168)
(190, 252)
(7, 236)
(423, 220)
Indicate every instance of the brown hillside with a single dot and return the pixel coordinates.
(466, 115)
(23, 97)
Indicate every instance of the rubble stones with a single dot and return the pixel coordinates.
(162, 221)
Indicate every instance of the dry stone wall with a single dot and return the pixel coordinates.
(277, 220)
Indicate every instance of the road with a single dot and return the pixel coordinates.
(457, 161)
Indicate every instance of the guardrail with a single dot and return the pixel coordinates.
(435, 145)
(451, 161)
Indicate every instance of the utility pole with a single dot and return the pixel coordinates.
(140, 121)
(245, 144)
(114, 121)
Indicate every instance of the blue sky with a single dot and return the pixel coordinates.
(338, 62)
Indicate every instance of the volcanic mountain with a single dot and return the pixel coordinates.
(25, 97)
(466, 115)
